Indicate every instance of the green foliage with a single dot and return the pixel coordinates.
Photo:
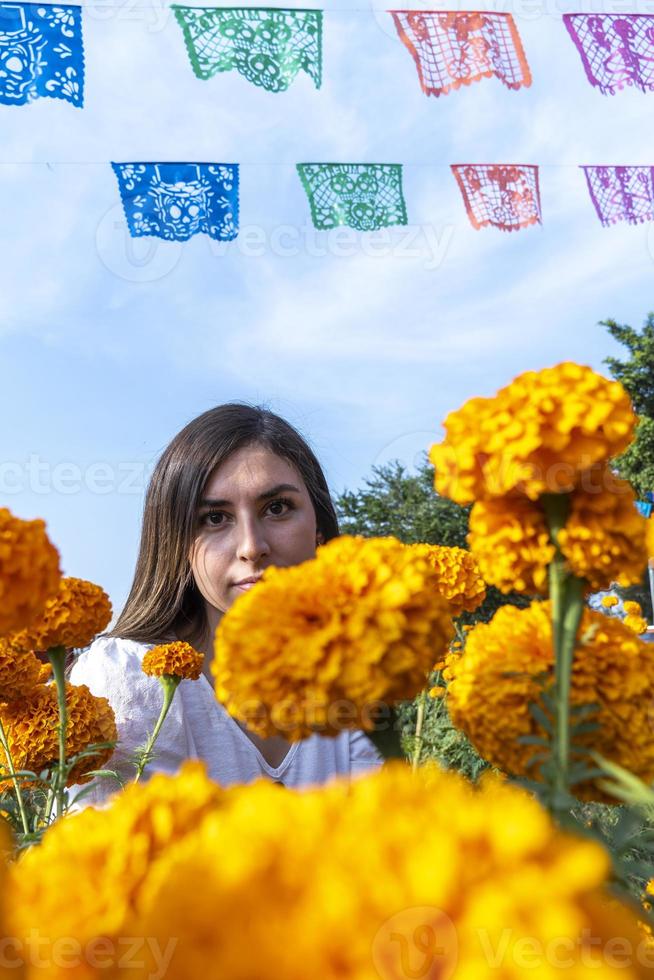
(440, 739)
(637, 464)
(627, 831)
(404, 506)
(636, 373)
(38, 792)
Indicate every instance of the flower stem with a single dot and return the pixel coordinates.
(57, 657)
(422, 704)
(567, 596)
(169, 682)
(12, 773)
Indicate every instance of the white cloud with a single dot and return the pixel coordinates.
(368, 351)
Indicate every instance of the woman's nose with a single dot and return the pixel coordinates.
(252, 543)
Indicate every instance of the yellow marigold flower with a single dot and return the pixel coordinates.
(5, 852)
(603, 539)
(632, 608)
(645, 926)
(610, 601)
(436, 692)
(176, 659)
(20, 671)
(31, 727)
(361, 623)
(536, 435)
(511, 542)
(29, 571)
(636, 623)
(72, 618)
(460, 581)
(100, 859)
(138, 863)
(647, 934)
(491, 684)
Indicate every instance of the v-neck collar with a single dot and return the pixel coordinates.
(288, 758)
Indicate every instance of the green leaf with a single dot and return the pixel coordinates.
(537, 712)
(585, 728)
(626, 785)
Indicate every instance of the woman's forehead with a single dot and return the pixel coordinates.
(252, 470)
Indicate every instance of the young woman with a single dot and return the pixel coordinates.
(237, 490)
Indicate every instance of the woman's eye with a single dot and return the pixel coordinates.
(212, 513)
(286, 505)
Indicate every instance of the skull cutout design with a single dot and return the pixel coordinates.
(181, 207)
(176, 201)
(21, 63)
(41, 53)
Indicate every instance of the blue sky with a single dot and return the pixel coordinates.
(109, 346)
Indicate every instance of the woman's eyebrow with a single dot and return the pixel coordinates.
(266, 495)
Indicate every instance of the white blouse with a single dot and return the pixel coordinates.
(197, 726)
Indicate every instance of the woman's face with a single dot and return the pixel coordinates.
(255, 511)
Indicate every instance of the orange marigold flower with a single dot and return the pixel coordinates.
(360, 623)
(460, 581)
(511, 542)
(20, 671)
(535, 436)
(29, 571)
(177, 659)
(31, 727)
(78, 612)
(492, 683)
(307, 908)
(610, 601)
(636, 623)
(123, 843)
(632, 608)
(603, 539)
(6, 849)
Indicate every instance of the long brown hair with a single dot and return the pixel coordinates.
(164, 601)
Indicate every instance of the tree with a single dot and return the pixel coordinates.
(637, 372)
(407, 507)
(636, 465)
